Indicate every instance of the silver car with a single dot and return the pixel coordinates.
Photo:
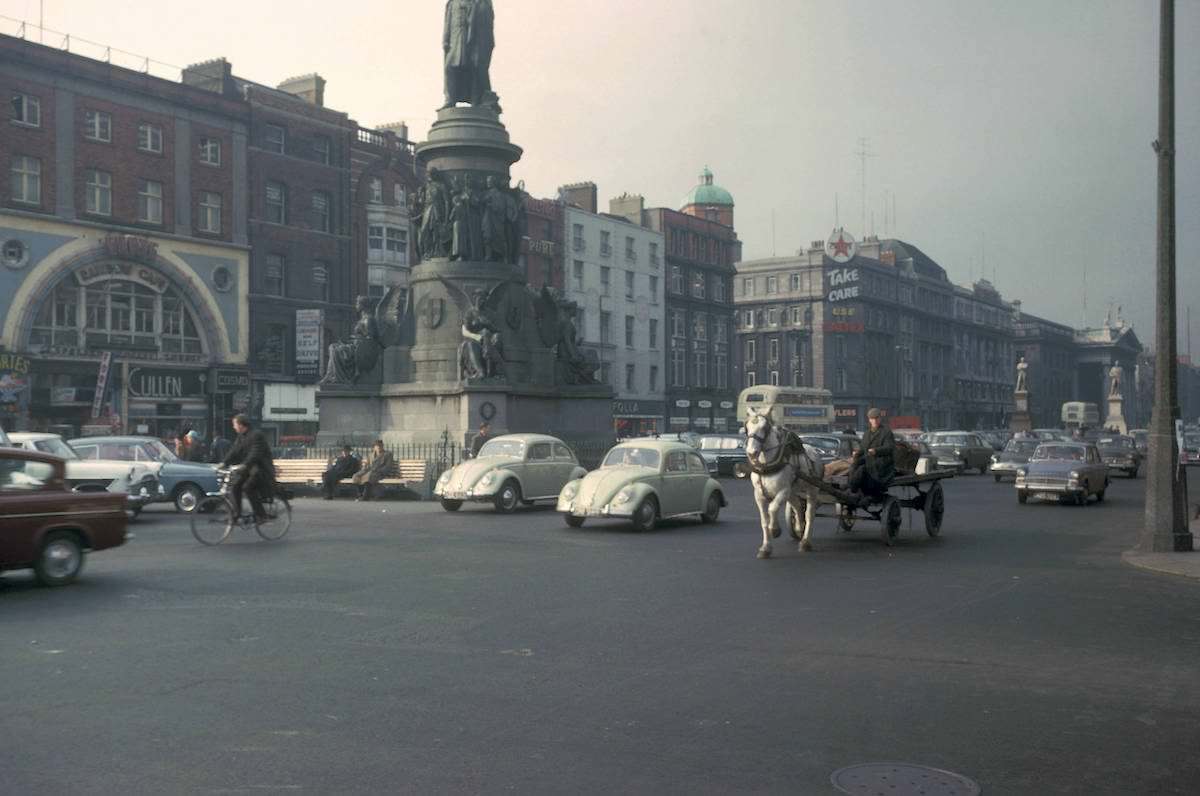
(136, 480)
(509, 470)
(1063, 471)
(1015, 456)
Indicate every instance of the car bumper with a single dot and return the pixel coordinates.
(606, 511)
(951, 464)
(474, 494)
(1034, 488)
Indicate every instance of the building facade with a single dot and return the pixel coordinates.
(124, 287)
(616, 278)
(1049, 350)
(542, 251)
(383, 180)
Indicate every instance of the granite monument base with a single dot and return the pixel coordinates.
(1116, 416)
(1020, 420)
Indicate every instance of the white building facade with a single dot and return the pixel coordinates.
(614, 272)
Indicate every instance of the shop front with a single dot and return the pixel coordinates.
(290, 417)
(165, 402)
(637, 418)
(14, 391)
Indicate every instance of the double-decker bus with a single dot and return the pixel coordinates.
(1078, 414)
(802, 409)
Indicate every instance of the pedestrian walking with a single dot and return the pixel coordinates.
(343, 466)
(485, 431)
(379, 465)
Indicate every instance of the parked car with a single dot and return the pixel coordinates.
(724, 454)
(825, 445)
(183, 483)
(1191, 449)
(510, 469)
(47, 527)
(1063, 471)
(1141, 440)
(1013, 457)
(135, 481)
(961, 451)
(644, 481)
(1120, 453)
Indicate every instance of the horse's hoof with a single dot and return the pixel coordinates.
(764, 553)
(775, 532)
(806, 547)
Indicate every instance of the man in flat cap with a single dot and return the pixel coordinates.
(874, 465)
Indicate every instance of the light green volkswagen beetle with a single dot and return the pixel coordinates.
(644, 481)
(510, 469)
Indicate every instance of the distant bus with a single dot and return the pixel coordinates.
(802, 409)
(1078, 414)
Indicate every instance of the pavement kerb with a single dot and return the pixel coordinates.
(1186, 565)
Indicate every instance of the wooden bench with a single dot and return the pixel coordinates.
(412, 474)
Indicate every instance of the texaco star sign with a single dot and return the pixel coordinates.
(841, 246)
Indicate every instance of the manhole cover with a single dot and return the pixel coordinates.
(901, 779)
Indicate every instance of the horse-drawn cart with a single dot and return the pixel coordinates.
(885, 508)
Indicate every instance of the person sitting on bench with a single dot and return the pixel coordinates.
(343, 466)
(378, 466)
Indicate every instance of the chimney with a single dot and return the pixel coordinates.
(310, 88)
(581, 195)
(399, 129)
(215, 76)
(628, 206)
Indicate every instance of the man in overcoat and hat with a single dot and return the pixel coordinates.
(874, 464)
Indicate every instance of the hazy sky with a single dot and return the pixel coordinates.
(1014, 135)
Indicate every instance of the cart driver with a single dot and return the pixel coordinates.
(873, 467)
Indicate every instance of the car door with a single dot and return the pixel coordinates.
(538, 472)
(1097, 469)
(697, 479)
(29, 492)
(564, 466)
(673, 495)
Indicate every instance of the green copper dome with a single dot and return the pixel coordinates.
(705, 193)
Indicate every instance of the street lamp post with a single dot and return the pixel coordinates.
(1165, 527)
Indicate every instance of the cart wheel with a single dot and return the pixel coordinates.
(935, 509)
(845, 518)
(889, 520)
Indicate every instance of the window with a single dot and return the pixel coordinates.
(375, 237)
(718, 289)
(630, 254)
(699, 369)
(748, 286)
(605, 248)
(653, 289)
(794, 282)
(699, 326)
(629, 284)
(797, 316)
(149, 138)
(606, 373)
(322, 149)
(276, 203)
(322, 219)
(772, 317)
(320, 279)
(772, 284)
(605, 275)
(751, 379)
(27, 110)
(577, 237)
(397, 243)
(677, 323)
(376, 191)
(210, 151)
(698, 284)
(678, 376)
(210, 212)
(25, 476)
(26, 180)
(630, 377)
(577, 274)
(720, 371)
(774, 378)
(654, 253)
(676, 279)
(750, 351)
(273, 275)
(773, 350)
(275, 139)
(97, 126)
(841, 379)
(98, 192)
(722, 330)
(654, 332)
(398, 195)
(150, 202)
(653, 378)
(605, 327)
(273, 353)
(629, 331)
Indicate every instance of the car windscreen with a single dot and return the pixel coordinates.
(950, 439)
(512, 448)
(1114, 442)
(1191, 440)
(55, 447)
(1060, 452)
(632, 455)
(1022, 446)
(159, 452)
(711, 443)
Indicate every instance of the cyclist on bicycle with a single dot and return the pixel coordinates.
(257, 473)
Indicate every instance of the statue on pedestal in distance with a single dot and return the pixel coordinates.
(468, 39)
(1114, 374)
(1022, 385)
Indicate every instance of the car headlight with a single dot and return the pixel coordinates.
(487, 480)
(570, 491)
(624, 496)
(957, 453)
(1073, 475)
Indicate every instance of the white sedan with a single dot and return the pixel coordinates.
(509, 470)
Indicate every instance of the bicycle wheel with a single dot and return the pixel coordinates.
(278, 519)
(212, 520)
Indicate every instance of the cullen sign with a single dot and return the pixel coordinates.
(165, 384)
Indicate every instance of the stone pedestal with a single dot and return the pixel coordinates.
(1116, 416)
(1020, 420)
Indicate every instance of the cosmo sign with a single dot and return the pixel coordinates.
(843, 284)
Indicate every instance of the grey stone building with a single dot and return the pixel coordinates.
(1049, 349)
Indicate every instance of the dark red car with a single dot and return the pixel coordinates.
(45, 526)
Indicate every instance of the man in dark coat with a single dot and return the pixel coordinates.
(485, 431)
(257, 475)
(379, 465)
(219, 449)
(343, 466)
(874, 465)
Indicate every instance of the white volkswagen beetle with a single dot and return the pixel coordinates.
(510, 469)
(644, 481)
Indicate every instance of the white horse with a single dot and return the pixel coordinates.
(775, 456)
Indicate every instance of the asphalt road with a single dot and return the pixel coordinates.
(391, 647)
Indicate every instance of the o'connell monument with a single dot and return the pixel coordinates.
(470, 341)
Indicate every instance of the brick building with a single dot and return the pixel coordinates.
(542, 251)
(383, 179)
(123, 290)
